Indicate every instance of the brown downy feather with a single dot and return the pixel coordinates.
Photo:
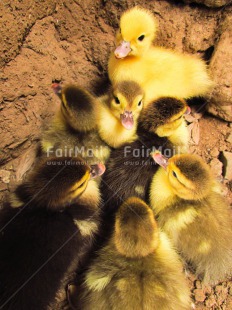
(73, 131)
(165, 117)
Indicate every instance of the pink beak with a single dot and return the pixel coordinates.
(127, 120)
(160, 159)
(122, 50)
(97, 170)
(57, 88)
(188, 111)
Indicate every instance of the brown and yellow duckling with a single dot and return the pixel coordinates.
(47, 231)
(165, 117)
(159, 71)
(119, 112)
(190, 209)
(73, 131)
(137, 269)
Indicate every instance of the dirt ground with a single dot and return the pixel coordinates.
(70, 41)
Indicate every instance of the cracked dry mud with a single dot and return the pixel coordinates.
(70, 41)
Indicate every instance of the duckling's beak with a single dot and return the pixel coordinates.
(160, 159)
(97, 170)
(127, 120)
(57, 89)
(122, 50)
(187, 111)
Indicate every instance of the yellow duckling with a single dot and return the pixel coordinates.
(47, 231)
(137, 269)
(191, 210)
(119, 112)
(159, 71)
(73, 130)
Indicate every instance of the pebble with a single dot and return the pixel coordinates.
(210, 302)
(199, 295)
(227, 162)
(216, 167)
(221, 293)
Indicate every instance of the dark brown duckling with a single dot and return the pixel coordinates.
(73, 130)
(47, 230)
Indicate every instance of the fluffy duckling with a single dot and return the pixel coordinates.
(159, 71)
(119, 113)
(130, 168)
(73, 131)
(190, 209)
(46, 233)
(165, 117)
(137, 269)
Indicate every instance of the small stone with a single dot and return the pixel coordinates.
(227, 162)
(199, 295)
(219, 289)
(210, 302)
(216, 167)
(5, 176)
(221, 293)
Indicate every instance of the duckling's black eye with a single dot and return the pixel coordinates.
(140, 102)
(141, 37)
(117, 100)
(174, 174)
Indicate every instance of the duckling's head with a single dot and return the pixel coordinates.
(126, 102)
(78, 107)
(136, 32)
(136, 233)
(57, 182)
(188, 175)
(164, 115)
